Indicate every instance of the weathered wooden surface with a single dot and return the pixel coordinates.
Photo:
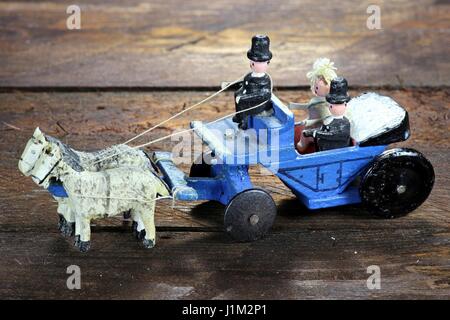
(322, 254)
(201, 43)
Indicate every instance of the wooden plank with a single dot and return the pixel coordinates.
(199, 43)
(304, 264)
(317, 254)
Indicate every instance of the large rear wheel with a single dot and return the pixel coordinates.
(398, 182)
(250, 215)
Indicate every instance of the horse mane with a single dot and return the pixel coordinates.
(69, 155)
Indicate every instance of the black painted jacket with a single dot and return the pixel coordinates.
(253, 91)
(333, 135)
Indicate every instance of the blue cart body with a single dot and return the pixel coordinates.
(319, 180)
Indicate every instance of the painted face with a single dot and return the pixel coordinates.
(259, 67)
(338, 110)
(320, 88)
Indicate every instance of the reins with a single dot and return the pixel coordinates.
(180, 113)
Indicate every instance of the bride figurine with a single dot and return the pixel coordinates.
(320, 76)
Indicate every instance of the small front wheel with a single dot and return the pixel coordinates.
(250, 215)
(398, 182)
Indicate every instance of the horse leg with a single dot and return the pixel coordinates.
(61, 223)
(138, 226)
(62, 209)
(85, 234)
(77, 230)
(148, 218)
(70, 225)
(66, 223)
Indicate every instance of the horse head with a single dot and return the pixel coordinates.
(39, 158)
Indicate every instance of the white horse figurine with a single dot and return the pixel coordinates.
(95, 188)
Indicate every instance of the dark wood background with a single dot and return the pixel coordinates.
(173, 43)
(116, 76)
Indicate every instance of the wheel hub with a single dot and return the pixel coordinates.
(254, 219)
(249, 215)
(401, 189)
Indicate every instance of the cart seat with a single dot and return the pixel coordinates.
(266, 122)
(266, 134)
(377, 120)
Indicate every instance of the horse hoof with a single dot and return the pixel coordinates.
(148, 243)
(84, 246)
(141, 235)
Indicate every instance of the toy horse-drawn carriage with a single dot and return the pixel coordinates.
(390, 183)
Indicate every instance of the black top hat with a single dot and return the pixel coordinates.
(338, 91)
(259, 51)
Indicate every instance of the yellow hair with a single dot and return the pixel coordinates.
(324, 69)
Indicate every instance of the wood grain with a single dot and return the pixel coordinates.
(308, 254)
(180, 43)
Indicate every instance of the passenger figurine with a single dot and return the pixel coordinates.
(335, 131)
(320, 77)
(256, 88)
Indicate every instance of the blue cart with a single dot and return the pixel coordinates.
(389, 183)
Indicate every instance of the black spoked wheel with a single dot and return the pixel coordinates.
(398, 182)
(250, 215)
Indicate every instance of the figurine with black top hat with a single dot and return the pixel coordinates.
(256, 88)
(335, 131)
